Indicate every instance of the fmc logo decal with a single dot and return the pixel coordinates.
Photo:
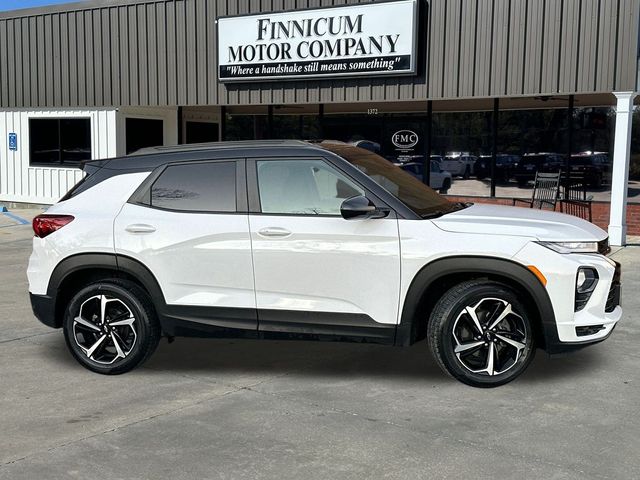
(405, 139)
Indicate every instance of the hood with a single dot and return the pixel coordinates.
(524, 222)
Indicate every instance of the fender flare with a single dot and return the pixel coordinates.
(475, 265)
(105, 261)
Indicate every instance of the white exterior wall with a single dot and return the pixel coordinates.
(20, 182)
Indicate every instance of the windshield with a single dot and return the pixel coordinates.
(408, 189)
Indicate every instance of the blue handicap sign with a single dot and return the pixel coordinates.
(13, 141)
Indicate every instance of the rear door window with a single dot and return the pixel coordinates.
(196, 187)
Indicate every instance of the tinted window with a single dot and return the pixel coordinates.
(303, 187)
(197, 187)
(142, 133)
(59, 141)
(200, 132)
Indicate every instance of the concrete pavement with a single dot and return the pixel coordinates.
(251, 409)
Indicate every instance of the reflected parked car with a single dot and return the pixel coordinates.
(459, 164)
(594, 167)
(438, 180)
(505, 166)
(537, 162)
(367, 145)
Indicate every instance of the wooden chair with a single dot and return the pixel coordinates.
(546, 189)
(575, 200)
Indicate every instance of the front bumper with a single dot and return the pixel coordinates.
(44, 308)
(571, 329)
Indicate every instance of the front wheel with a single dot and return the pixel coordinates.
(480, 334)
(111, 327)
(446, 185)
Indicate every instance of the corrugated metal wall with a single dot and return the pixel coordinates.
(163, 53)
(20, 182)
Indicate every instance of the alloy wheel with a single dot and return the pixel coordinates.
(105, 329)
(489, 337)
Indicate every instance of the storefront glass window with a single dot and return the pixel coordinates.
(461, 146)
(246, 123)
(537, 140)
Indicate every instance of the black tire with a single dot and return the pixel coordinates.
(137, 341)
(467, 173)
(508, 360)
(446, 185)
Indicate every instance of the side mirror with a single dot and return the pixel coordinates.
(361, 207)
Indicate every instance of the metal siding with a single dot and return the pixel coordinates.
(163, 53)
(569, 46)
(105, 56)
(48, 78)
(143, 55)
(180, 52)
(533, 51)
(56, 58)
(482, 61)
(97, 59)
(133, 56)
(626, 64)
(82, 59)
(201, 52)
(516, 46)
(152, 54)
(18, 66)
(114, 52)
(39, 56)
(500, 47)
(172, 71)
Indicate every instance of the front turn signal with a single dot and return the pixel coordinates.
(538, 274)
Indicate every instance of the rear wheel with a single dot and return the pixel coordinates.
(480, 334)
(446, 185)
(111, 327)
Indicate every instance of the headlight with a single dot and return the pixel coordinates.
(571, 247)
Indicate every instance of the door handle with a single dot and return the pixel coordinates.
(274, 232)
(140, 228)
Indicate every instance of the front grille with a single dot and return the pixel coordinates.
(613, 298)
(603, 247)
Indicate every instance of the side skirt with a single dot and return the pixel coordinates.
(218, 322)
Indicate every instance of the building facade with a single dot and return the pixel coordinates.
(490, 91)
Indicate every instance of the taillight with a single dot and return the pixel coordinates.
(44, 225)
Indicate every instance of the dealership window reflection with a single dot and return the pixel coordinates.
(461, 145)
(537, 140)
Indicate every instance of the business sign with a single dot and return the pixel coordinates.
(405, 139)
(356, 40)
(13, 142)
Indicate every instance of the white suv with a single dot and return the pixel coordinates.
(326, 242)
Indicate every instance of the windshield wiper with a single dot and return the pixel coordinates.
(456, 207)
(436, 214)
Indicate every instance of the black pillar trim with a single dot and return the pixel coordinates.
(426, 176)
(223, 123)
(180, 127)
(270, 121)
(494, 144)
(567, 165)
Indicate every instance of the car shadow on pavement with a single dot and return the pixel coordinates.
(326, 359)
